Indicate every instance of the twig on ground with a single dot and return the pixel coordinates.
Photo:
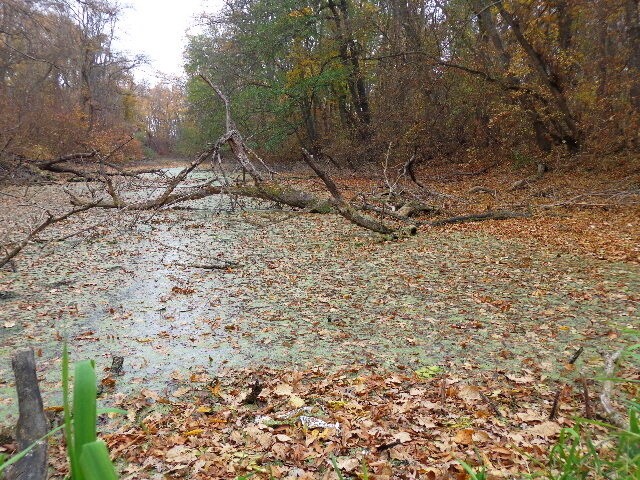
(556, 399)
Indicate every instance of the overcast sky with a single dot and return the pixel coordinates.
(158, 28)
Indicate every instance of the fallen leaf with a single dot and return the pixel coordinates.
(180, 454)
(181, 391)
(402, 437)
(522, 379)
(348, 464)
(531, 416)
(283, 389)
(150, 394)
(545, 429)
(429, 371)
(469, 393)
(464, 436)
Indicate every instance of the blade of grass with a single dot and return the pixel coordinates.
(74, 467)
(334, 462)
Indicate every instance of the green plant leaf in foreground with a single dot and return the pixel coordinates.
(95, 462)
(84, 409)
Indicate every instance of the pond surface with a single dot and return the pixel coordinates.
(309, 289)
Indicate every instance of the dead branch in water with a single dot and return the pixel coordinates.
(50, 220)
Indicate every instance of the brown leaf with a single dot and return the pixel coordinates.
(464, 436)
(470, 394)
(180, 454)
(402, 437)
(545, 429)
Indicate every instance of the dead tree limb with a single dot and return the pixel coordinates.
(50, 220)
(261, 188)
(214, 266)
(235, 140)
(227, 107)
(408, 169)
(66, 158)
(563, 386)
(344, 208)
(32, 422)
(391, 214)
(492, 215)
(481, 189)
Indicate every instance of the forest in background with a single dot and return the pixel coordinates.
(347, 79)
(65, 89)
(434, 78)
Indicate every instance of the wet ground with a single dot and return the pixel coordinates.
(308, 290)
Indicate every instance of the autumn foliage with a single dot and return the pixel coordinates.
(450, 78)
(62, 88)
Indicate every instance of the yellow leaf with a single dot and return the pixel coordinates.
(215, 389)
(204, 409)
(296, 402)
(193, 432)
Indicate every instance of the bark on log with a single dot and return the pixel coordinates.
(32, 423)
(494, 215)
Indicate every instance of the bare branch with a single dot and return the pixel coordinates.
(50, 220)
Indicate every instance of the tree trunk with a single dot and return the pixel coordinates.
(350, 52)
(32, 423)
(633, 38)
(550, 78)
